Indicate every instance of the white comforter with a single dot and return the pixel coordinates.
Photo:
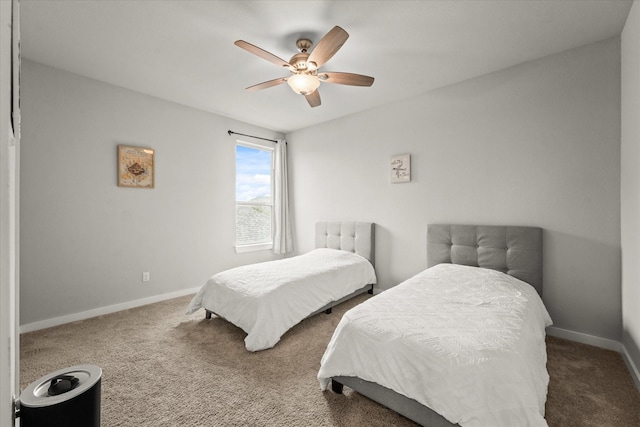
(467, 342)
(267, 299)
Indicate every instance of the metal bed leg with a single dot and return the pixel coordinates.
(207, 315)
(329, 310)
(336, 386)
(370, 291)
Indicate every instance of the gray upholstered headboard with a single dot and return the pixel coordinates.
(357, 237)
(515, 250)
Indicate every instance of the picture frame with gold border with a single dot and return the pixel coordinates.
(136, 166)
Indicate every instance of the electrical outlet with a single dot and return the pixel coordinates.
(145, 276)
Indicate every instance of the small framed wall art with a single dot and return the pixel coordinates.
(136, 166)
(401, 168)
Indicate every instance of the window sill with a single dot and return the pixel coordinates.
(251, 248)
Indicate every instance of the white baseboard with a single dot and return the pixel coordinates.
(633, 369)
(599, 342)
(56, 321)
(584, 338)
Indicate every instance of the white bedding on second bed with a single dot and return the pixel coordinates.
(467, 342)
(267, 299)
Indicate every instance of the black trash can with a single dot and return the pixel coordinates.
(68, 397)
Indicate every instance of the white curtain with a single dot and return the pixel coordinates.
(282, 240)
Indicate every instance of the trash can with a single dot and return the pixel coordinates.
(68, 397)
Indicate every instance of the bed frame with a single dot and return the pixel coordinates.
(515, 250)
(356, 237)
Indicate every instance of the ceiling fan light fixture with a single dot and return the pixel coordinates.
(303, 84)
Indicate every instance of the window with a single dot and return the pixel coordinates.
(254, 197)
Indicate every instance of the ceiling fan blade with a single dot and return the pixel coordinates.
(263, 54)
(313, 98)
(267, 84)
(328, 46)
(346, 79)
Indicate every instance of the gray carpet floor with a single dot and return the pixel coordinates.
(163, 368)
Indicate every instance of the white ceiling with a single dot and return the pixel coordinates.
(183, 51)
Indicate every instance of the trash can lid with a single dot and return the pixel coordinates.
(38, 394)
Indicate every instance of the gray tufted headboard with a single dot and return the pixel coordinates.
(515, 250)
(357, 237)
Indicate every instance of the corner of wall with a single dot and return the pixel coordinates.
(630, 189)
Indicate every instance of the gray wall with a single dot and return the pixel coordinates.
(85, 241)
(630, 188)
(536, 144)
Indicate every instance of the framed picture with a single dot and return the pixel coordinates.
(136, 166)
(401, 168)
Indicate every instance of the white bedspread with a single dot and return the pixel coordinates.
(467, 342)
(268, 298)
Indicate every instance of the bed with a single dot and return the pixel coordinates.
(460, 343)
(267, 299)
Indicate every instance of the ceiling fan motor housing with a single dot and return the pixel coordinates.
(299, 61)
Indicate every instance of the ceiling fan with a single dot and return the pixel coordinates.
(305, 77)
